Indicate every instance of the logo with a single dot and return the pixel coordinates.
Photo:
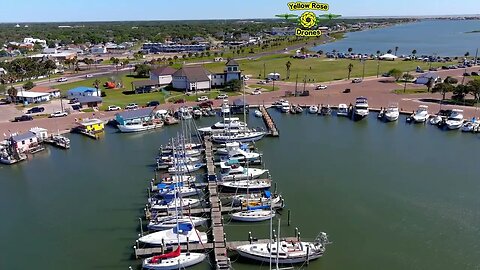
(308, 20)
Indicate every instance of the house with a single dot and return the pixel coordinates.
(232, 72)
(29, 97)
(424, 78)
(90, 127)
(83, 91)
(41, 133)
(162, 75)
(144, 86)
(30, 40)
(89, 101)
(134, 116)
(192, 78)
(53, 92)
(24, 141)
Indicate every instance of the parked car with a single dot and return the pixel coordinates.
(23, 118)
(202, 98)
(347, 90)
(261, 82)
(222, 96)
(113, 108)
(321, 87)
(62, 79)
(153, 103)
(466, 74)
(256, 92)
(206, 104)
(433, 69)
(386, 74)
(357, 80)
(474, 73)
(58, 114)
(35, 110)
(131, 106)
(88, 76)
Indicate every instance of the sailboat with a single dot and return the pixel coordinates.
(169, 222)
(173, 260)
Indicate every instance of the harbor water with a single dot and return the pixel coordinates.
(390, 196)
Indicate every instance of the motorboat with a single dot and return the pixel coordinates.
(173, 203)
(197, 113)
(253, 215)
(232, 170)
(186, 168)
(242, 155)
(313, 109)
(455, 120)
(230, 124)
(173, 260)
(250, 185)
(285, 106)
(342, 110)
(421, 114)
(279, 103)
(360, 109)
(435, 120)
(391, 113)
(180, 234)
(296, 109)
(184, 113)
(325, 110)
(169, 222)
(59, 141)
(289, 252)
(140, 125)
(258, 113)
(229, 146)
(225, 109)
(250, 136)
(471, 125)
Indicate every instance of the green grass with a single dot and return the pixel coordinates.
(410, 91)
(319, 69)
(263, 87)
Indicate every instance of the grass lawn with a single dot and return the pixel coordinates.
(410, 91)
(319, 69)
(263, 87)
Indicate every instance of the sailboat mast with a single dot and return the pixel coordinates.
(278, 243)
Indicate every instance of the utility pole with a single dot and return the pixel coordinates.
(363, 72)
(273, 80)
(405, 85)
(264, 76)
(378, 67)
(296, 84)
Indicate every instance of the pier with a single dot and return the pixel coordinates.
(271, 127)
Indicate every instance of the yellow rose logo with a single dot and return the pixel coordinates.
(308, 19)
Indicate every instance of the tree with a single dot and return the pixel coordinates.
(378, 52)
(288, 65)
(407, 77)
(234, 85)
(389, 51)
(430, 84)
(460, 91)
(12, 93)
(350, 67)
(443, 88)
(414, 52)
(474, 89)
(467, 54)
(450, 80)
(350, 50)
(142, 70)
(96, 84)
(28, 85)
(396, 73)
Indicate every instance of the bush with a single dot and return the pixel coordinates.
(103, 94)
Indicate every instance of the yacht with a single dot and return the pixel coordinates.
(253, 215)
(241, 155)
(171, 204)
(232, 170)
(289, 252)
(392, 113)
(230, 124)
(313, 109)
(342, 110)
(455, 120)
(249, 136)
(173, 260)
(360, 110)
(225, 109)
(285, 106)
(246, 185)
(169, 222)
(325, 110)
(181, 234)
(421, 114)
(184, 113)
(279, 103)
(471, 125)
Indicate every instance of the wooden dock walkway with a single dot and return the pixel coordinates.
(271, 127)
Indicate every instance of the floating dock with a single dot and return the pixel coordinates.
(271, 127)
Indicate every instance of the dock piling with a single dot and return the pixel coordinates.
(288, 217)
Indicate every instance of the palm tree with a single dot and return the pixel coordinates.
(96, 84)
(414, 52)
(389, 51)
(442, 88)
(350, 67)
(288, 65)
(350, 50)
(467, 54)
(430, 84)
(396, 50)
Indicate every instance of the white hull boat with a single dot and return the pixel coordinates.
(253, 215)
(180, 261)
(173, 236)
(246, 185)
(178, 179)
(139, 127)
(360, 110)
(455, 120)
(437, 119)
(170, 222)
(313, 109)
(240, 137)
(342, 110)
(392, 113)
(186, 168)
(421, 114)
(163, 205)
(471, 126)
(180, 191)
(247, 173)
(258, 113)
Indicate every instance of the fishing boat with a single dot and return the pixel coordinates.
(138, 120)
(392, 113)
(455, 120)
(173, 203)
(285, 252)
(249, 136)
(360, 109)
(471, 125)
(421, 114)
(250, 185)
(258, 113)
(173, 260)
(169, 222)
(186, 168)
(232, 170)
(253, 215)
(342, 110)
(181, 234)
(313, 109)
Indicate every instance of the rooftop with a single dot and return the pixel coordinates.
(88, 99)
(231, 62)
(126, 115)
(193, 73)
(31, 94)
(23, 136)
(89, 122)
(82, 89)
(164, 70)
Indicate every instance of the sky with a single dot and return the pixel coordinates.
(17, 11)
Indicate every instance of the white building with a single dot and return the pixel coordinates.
(192, 78)
(162, 75)
(30, 40)
(32, 97)
(98, 49)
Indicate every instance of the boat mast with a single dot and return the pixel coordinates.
(244, 105)
(278, 244)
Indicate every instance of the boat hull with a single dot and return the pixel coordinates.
(138, 128)
(181, 262)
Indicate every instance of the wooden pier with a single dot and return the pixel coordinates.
(271, 127)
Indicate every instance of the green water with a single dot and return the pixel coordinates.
(391, 196)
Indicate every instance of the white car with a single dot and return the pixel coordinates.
(113, 108)
(357, 80)
(222, 96)
(63, 79)
(202, 98)
(88, 76)
(58, 114)
(131, 106)
(321, 87)
(261, 82)
(256, 92)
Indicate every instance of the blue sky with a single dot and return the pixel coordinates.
(124, 10)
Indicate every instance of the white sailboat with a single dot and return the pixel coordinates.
(167, 204)
(253, 215)
(246, 184)
(173, 260)
(232, 170)
(184, 232)
(169, 222)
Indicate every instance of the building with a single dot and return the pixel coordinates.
(83, 91)
(30, 97)
(424, 78)
(388, 56)
(162, 75)
(41, 133)
(282, 31)
(134, 116)
(22, 142)
(232, 72)
(161, 47)
(89, 101)
(91, 127)
(30, 40)
(98, 49)
(54, 93)
(144, 86)
(56, 56)
(192, 78)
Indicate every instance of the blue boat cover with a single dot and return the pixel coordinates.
(258, 207)
(268, 194)
(244, 146)
(185, 227)
(171, 186)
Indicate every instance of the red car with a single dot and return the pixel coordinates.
(206, 104)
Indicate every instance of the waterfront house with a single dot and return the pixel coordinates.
(91, 127)
(24, 141)
(53, 92)
(83, 91)
(162, 75)
(41, 133)
(30, 97)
